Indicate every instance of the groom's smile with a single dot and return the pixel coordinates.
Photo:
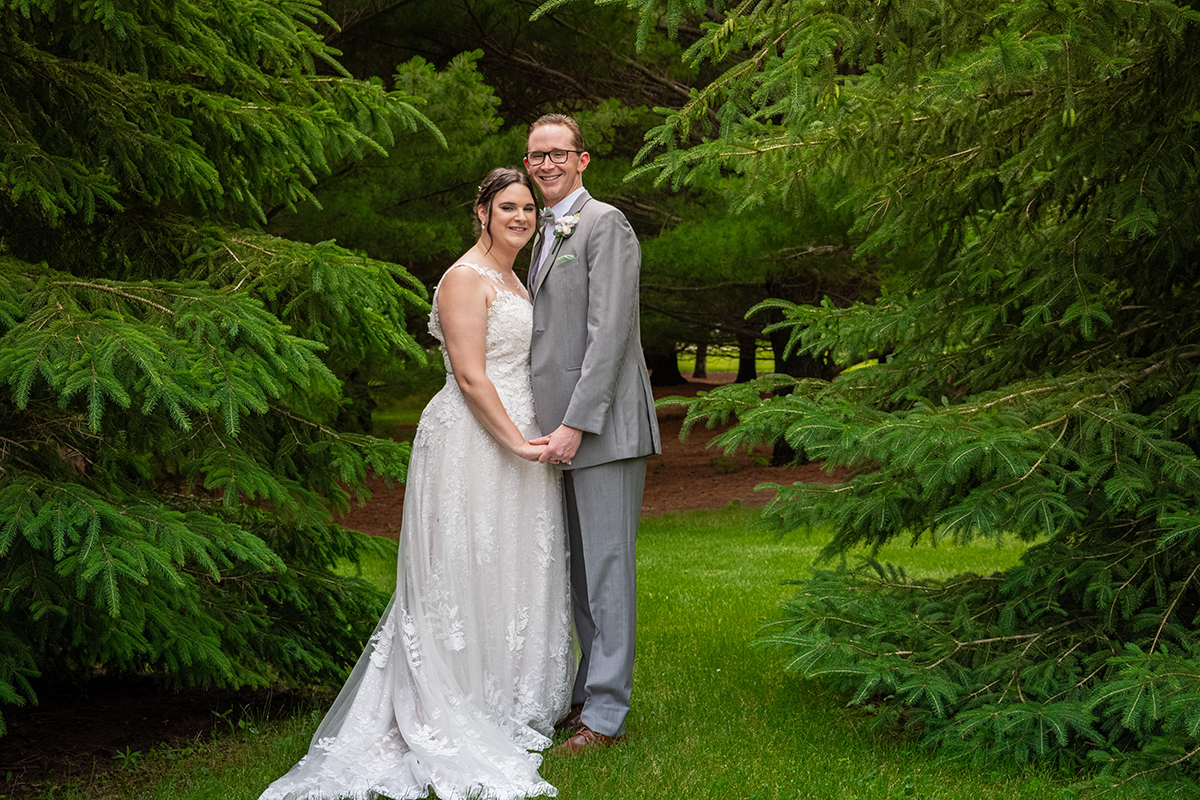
(556, 181)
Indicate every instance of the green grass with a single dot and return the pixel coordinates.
(404, 411)
(377, 565)
(713, 717)
(726, 360)
(398, 421)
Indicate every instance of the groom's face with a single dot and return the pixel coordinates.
(555, 181)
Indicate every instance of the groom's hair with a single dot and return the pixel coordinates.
(559, 119)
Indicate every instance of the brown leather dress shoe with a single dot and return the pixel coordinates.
(572, 721)
(586, 740)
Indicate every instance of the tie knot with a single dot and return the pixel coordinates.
(546, 217)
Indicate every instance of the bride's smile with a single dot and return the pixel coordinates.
(512, 217)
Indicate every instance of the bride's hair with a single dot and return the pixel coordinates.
(497, 181)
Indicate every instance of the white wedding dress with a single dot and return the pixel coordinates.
(472, 663)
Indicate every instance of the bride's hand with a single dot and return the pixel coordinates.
(530, 451)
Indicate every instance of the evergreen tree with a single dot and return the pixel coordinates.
(1044, 376)
(705, 272)
(412, 203)
(169, 459)
(577, 58)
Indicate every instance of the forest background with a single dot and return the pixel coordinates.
(991, 206)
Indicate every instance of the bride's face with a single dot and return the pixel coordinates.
(512, 219)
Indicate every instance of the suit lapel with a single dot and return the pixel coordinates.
(544, 269)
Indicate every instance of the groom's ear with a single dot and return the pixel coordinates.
(584, 159)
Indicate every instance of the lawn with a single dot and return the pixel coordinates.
(725, 359)
(713, 717)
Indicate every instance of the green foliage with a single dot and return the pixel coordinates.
(412, 204)
(709, 268)
(1041, 661)
(1042, 377)
(575, 58)
(170, 458)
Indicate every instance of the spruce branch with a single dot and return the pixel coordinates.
(1171, 608)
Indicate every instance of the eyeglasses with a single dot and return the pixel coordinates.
(536, 157)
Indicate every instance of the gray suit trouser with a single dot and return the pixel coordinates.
(603, 505)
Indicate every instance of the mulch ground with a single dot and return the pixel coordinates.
(80, 728)
(689, 475)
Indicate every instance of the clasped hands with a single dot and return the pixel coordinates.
(560, 446)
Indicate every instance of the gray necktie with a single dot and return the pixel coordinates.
(545, 218)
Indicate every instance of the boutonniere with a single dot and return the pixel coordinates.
(565, 226)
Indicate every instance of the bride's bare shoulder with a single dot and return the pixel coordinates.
(465, 287)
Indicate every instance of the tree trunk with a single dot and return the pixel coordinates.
(747, 354)
(701, 370)
(663, 364)
(356, 414)
(798, 365)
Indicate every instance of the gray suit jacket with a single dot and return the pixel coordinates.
(587, 364)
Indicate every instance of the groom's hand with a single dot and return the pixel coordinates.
(560, 445)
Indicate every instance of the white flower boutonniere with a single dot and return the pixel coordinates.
(565, 226)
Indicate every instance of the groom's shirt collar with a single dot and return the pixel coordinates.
(560, 209)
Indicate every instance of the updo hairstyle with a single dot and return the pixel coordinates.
(497, 181)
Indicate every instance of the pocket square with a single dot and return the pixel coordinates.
(561, 259)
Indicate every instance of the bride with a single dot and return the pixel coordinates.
(471, 665)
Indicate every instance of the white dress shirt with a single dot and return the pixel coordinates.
(560, 209)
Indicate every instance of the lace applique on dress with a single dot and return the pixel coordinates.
(485, 543)
(515, 628)
(381, 644)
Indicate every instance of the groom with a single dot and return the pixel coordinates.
(592, 398)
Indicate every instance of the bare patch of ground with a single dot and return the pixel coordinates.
(689, 475)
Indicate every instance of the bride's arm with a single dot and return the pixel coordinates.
(462, 300)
